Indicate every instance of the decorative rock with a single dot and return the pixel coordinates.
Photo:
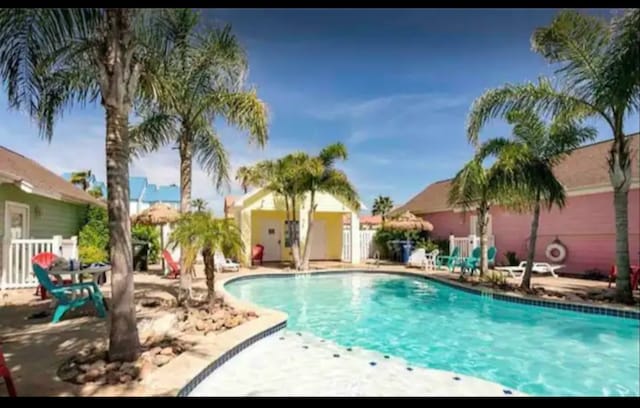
(81, 378)
(219, 315)
(113, 378)
(69, 373)
(200, 325)
(125, 378)
(161, 360)
(113, 366)
(167, 351)
(84, 367)
(146, 368)
(99, 365)
(92, 374)
(102, 380)
(157, 327)
(155, 350)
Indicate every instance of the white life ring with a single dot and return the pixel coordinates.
(556, 247)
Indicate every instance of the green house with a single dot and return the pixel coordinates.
(39, 212)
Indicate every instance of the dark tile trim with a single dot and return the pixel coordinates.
(191, 385)
(576, 307)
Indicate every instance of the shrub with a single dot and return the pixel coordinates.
(150, 234)
(495, 278)
(93, 239)
(91, 254)
(384, 235)
(512, 258)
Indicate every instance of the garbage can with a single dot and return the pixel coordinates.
(140, 255)
(406, 251)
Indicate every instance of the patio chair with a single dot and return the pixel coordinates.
(175, 268)
(448, 261)
(65, 296)
(471, 262)
(430, 259)
(6, 374)
(634, 275)
(538, 267)
(257, 254)
(221, 263)
(417, 258)
(46, 261)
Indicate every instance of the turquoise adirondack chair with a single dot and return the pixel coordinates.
(448, 261)
(471, 262)
(64, 297)
(491, 255)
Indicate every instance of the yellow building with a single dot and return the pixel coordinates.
(261, 218)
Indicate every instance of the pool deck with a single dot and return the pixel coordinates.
(35, 348)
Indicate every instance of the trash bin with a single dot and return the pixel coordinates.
(406, 251)
(140, 255)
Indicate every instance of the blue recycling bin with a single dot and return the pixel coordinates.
(406, 251)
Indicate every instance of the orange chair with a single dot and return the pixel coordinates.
(6, 374)
(175, 268)
(46, 260)
(257, 254)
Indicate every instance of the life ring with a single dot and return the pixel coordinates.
(559, 249)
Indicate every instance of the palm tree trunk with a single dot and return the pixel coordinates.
(209, 271)
(620, 175)
(295, 242)
(307, 242)
(186, 159)
(482, 227)
(531, 253)
(123, 335)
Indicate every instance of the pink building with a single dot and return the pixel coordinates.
(585, 226)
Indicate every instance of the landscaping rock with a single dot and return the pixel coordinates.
(69, 373)
(200, 325)
(81, 379)
(219, 315)
(159, 326)
(113, 377)
(167, 351)
(161, 360)
(145, 369)
(125, 379)
(92, 374)
(84, 367)
(155, 350)
(113, 366)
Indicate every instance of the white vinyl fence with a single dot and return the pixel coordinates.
(16, 259)
(367, 246)
(467, 244)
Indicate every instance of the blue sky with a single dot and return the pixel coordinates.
(394, 85)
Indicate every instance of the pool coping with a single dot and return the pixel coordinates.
(198, 361)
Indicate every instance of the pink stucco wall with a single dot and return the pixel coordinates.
(586, 226)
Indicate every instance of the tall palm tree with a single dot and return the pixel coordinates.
(206, 70)
(95, 191)
(81, 178)
(198, 204)
(320, 175)
(527, 161)
(53, 58)
(282, 177)
(599, 71)
(199, 231)
(245, 176)
(382, 206)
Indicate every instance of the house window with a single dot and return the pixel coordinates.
(291, 228)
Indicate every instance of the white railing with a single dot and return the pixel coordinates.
(366, 244)
(467, 244)
(17, 272)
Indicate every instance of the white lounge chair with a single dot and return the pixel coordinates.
(417, 258)
(430, 259)
(538, 267)
(223, 264)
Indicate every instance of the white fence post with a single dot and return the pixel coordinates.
(452, 243)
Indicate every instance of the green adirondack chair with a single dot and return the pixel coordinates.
(64, 294)
(491, 256)
(448, 261)
(471, 262)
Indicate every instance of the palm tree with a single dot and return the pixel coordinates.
(320, 175)
(527, 162)
(206, 72)
(198, 204)
(95, 191)
(53, 58)
(599, 71)
(81, 178)
(245, 176)
(382, 206)
(199, 231)
(282, 177)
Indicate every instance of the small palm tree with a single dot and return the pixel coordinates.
(95, 191)
(599, 71)
(81, 178)
(320, 175)
(245, 176)
(198, 204)
(527, 162)
(382, 206)
(51, 59)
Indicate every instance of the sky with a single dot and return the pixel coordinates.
(394, 85)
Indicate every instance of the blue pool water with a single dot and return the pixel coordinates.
(536, 350)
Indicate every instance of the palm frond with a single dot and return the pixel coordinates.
(157, 129)
(212, 156)
(243, 110)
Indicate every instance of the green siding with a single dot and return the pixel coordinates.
(47, 217)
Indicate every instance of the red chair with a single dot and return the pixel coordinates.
(6, 374)
(257, 254)
(175, 268)
(46, 260)
(634, 276)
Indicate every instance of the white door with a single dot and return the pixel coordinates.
(271, 238)
(16, 226)
(319, 240)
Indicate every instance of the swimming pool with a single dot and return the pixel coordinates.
(536, 350)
